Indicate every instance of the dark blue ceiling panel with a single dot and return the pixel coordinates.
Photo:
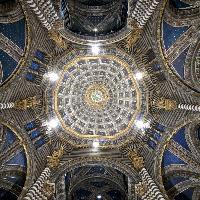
(185, 195)
(179, 137)
(18, 159)
(179, 63)
(17, 180)
(170, 182)
(82, 194)
(115, 195)
(8, 65)
(15, 32)
(179, 4)
(10, 138)
(169, 158)
(7, 195)
(171, 34)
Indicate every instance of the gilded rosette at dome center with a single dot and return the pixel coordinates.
(97, 96)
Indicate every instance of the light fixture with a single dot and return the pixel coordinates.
(95, 144)
(95, 29)
(139, 75)
(99, 196)
(140, 124)
(53, 76)
(95, 49)
(53, 123)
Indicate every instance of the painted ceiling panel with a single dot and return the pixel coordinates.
(8, 65)
(14, 168)
(96, 169)
(179, 62)
(39, 143)
(171, 34)
(179, 4)
(115, 195)
(185, 195)
(173, 181)
(82, 194)
(18, 159)
(179, 175)
(6, 195)
(15, 32)
(10, 138)
(18, 180)
(179, 137)
(169, 158)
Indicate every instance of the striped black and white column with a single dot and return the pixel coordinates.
(36, 191)
(195, 108)
(143, 11)
(42, 189)
(4, 106)
(152, 191)
(45, 12)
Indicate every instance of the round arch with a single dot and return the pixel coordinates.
(28, 148)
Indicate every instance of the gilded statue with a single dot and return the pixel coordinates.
(53, 161)
(60, 41)
(135, 33)
(166, 104)
(49, 189)
(137, 161)
(140, 189)
(24, 104)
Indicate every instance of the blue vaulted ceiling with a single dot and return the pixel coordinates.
(16, 33)
(95, 2)
(6, 195)
(179, 4)
(185, 195)
(14, 165)
(174, 168)
(179, 63)
(171, 34)
(95, 180)
(170, 159)
(8, 65)
(95, 18)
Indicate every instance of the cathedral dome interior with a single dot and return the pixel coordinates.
(99, 100)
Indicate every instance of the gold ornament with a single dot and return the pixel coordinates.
(140, 189)
(54, 160)
(49, 189)
(134, 35)
(56, 37)
(166, 104)
(137, 161)
(24, 104)
(96, 96)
